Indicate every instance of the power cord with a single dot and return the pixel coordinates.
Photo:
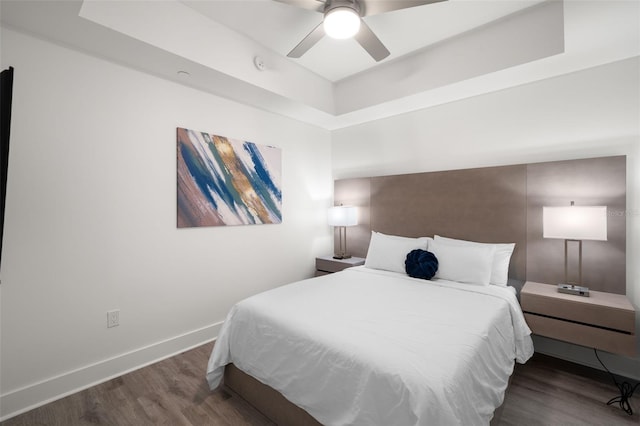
(626, 390)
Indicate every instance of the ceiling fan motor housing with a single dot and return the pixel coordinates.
(334, 4)
(343, 19)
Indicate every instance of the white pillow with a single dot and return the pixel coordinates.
(501, 257)
(388, 252)
(463, 263)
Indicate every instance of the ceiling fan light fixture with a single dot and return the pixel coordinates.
(341, 22)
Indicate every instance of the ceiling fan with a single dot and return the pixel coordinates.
(343, 19)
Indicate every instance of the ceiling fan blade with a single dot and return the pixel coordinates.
(308, 42)
(376, 7)
(315, 5)
(371, 42)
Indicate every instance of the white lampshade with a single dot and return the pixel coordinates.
(341, 23)
(575, 222)
(343, 216)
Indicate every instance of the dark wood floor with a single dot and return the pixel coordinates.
(545, 391)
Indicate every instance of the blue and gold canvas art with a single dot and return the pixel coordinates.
(224, 181)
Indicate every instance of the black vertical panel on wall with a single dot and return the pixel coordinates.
(6, 95)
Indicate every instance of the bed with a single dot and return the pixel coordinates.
(373, 346)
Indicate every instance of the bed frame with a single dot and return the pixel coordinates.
(494, 204)
(276, 407)
(265, 399)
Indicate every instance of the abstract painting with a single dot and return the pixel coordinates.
(224, 181)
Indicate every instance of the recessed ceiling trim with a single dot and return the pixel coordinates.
(525, 36)
(180, 30)
(596, 33)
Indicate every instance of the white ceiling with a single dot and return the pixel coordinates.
(280, 27)
(439, 53)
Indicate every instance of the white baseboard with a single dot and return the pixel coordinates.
(29, 397)
(620, 365)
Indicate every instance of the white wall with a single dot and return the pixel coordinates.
(91, 221)
(591, 113)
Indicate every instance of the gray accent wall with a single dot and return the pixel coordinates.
(501, 205)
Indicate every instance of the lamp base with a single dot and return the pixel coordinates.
(573, 289)
(341, 256)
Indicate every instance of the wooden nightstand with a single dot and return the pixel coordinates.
(328, 265)
(603, 321)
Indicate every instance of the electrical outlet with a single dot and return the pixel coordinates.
(113, 318)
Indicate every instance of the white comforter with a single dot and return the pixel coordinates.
(368, 347)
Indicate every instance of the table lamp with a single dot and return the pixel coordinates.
(341, 217)
(574, 224)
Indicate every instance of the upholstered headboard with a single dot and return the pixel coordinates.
(499, 204)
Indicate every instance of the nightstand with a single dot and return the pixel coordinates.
(603, 321)
(328, 265)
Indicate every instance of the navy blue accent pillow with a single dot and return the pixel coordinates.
(421, 264)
